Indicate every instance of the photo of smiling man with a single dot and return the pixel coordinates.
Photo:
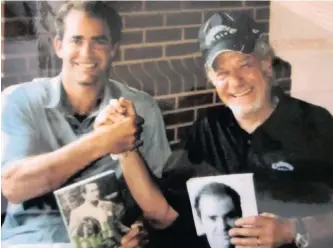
(217, 202)
(218, 207)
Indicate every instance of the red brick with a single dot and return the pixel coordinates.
(129, 6)
(202, 111)
(175, 146)
(191, 33)
(178, 118)
(170, 134)
(200, 4)
(209, 4)
(166, 104)
(256, 3)
(263, 26)
(132, 37)
(162, 5)
(262, 13)
(228, 4)
(182, 49)
(19, 28)
(163, 35)
(179, 19)
(143, 21)
(182, 132)
(143, 52)
(249, 12)
(195, 100)
(28, 8)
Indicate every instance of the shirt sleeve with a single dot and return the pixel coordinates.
(156, 149)
(18, 134)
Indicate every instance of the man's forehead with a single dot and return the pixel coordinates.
(216, 205)
(229, 58)
(81, 23)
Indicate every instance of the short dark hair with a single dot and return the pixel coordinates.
(219, 190)
(97, 9)
(83, 187)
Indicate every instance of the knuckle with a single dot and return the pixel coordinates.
(132, 141)
(133, 130)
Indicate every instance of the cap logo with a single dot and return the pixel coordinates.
(218, 32)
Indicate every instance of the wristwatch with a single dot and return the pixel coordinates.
(302, 237)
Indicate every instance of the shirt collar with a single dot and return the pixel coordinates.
(57, 96)
(54, 92)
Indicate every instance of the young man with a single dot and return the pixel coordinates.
(287, 143)
(48, 131)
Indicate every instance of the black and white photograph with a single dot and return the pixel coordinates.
(217, 202)
(92, 210)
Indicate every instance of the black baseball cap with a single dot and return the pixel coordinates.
(227, 32)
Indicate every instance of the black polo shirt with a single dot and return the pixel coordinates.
(296, 140)
(290, 154)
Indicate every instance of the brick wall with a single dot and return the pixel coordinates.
(159, 52)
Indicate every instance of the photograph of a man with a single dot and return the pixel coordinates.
(94, 209)
(217, 206)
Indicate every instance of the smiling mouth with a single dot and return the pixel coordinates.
(87, 65)
(243, 93)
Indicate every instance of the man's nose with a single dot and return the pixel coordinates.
(235, 81)
(220, 225)
(86, 49)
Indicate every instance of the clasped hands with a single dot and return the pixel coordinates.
(264, 231)
(121, 115)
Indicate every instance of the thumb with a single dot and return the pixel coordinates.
(130, 110)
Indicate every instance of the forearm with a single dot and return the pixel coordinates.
(40, 174)
(145, 191)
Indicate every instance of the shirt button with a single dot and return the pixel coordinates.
(249, 142)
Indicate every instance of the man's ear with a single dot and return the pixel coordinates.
(266, 66)
(114, 49)
(57, 43)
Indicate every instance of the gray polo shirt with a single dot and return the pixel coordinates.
(36, 118)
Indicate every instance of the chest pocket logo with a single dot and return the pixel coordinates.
(282, 166)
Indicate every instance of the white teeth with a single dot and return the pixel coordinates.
(88, 66)
(243, 93)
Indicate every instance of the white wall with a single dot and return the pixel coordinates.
(302, 34)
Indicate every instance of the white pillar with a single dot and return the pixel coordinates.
(302, 34)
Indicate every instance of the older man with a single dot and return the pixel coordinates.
(48, 135)
(287, 143)
(284, 141)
